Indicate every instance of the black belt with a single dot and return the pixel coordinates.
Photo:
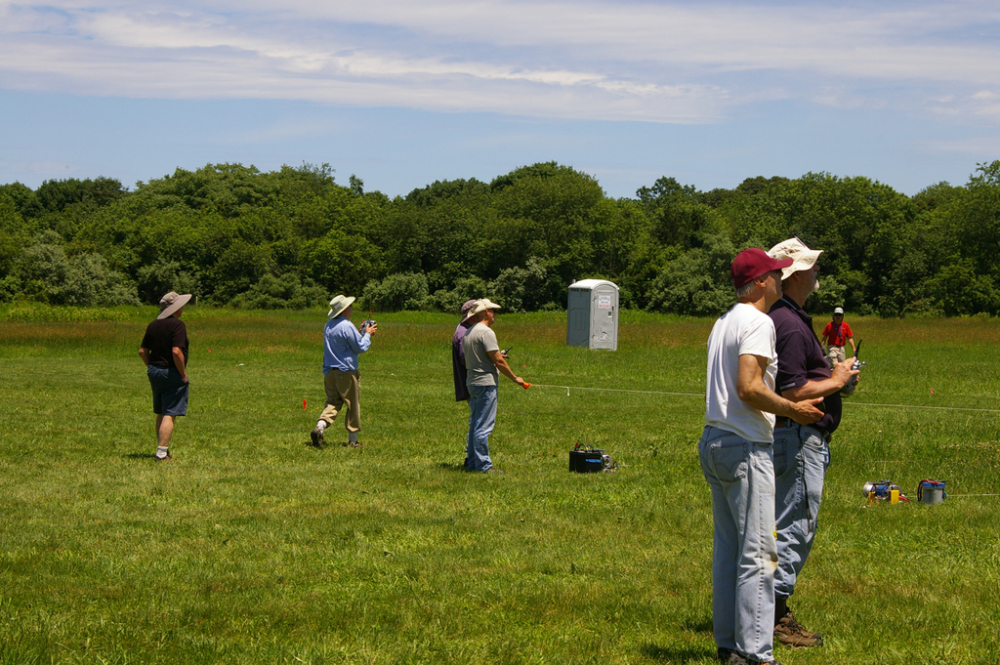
(781, 422)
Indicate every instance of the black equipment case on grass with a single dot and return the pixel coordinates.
(586, 461)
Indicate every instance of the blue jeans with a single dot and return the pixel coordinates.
(744, 553)
(482, 418)
(801, 457)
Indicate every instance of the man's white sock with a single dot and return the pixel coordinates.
(161, 452)
(352, 437)
(321, 425)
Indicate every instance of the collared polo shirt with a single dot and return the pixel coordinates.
(801, 358)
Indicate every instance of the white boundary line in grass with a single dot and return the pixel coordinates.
(660, 392)
(950, 495)
(917, 406)
(617, 390)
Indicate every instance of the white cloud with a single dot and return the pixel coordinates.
(603, 60)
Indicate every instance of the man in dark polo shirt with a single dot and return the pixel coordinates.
(164, 350)
(801, 452)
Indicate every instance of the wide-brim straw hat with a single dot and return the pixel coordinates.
(171, 303)
(802, 257)
(338, 305)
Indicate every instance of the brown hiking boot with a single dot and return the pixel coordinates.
(791, 633)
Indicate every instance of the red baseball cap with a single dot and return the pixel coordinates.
(752, 263)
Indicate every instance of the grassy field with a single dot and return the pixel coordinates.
(253, 547)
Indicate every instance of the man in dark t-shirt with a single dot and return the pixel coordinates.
(801, 452)
(164, 351)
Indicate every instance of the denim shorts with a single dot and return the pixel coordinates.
(170, 393)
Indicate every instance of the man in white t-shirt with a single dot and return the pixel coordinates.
(736, 458)
(484, 362)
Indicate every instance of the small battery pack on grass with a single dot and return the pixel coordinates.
(931, 491)
(587, 459)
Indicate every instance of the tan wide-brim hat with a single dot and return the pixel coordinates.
(338, 305)
(171, 303)
(482, 306)
(802, 257)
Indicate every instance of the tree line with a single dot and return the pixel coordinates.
(291, 238)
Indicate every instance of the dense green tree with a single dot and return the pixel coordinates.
(678, 216)
(164, 276)
(397, 292)
(695, 281)
(57, 195)
(48, 274)
(284, 292)
(232, 234)
(550, 213)
(12, 235)
(441, 190)
(341, 263)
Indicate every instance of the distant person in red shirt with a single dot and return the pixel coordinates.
(836, 335)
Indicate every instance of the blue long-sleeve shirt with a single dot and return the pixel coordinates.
(341, 345)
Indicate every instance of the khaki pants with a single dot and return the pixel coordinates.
(835, 354)
(343, 389)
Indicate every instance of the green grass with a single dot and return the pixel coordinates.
(252, 547)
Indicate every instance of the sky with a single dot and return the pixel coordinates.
(402, 93)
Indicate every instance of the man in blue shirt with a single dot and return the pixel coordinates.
(342, 343)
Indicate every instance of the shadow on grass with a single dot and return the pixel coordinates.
(702, 625)
(149, 456)
(679, 654)
(452, 466)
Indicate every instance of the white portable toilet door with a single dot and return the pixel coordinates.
(604, 318)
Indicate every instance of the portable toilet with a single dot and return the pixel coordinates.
(593, 314)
